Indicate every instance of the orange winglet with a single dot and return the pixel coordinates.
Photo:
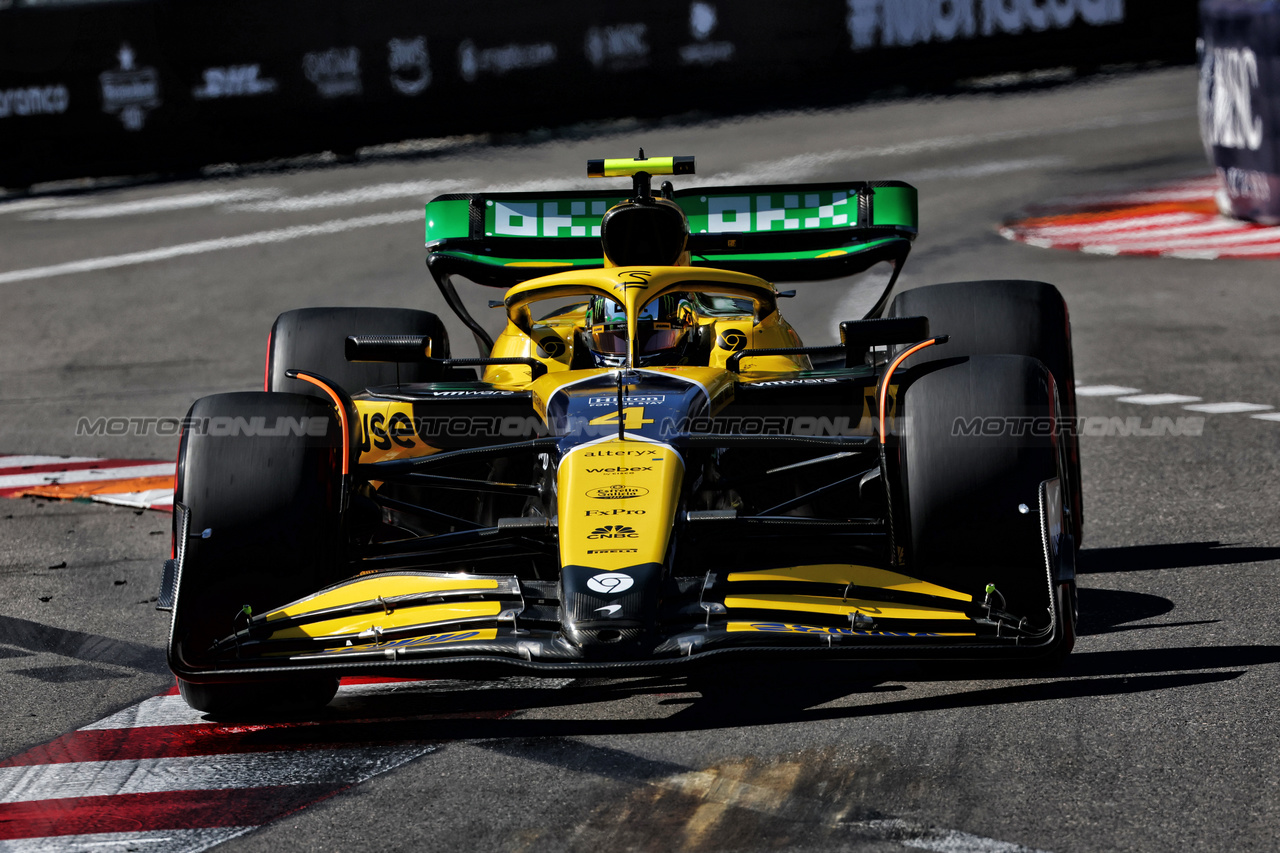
(342, 418)
(884, 385)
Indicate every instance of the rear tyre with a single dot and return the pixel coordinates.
(972, 494)
(261, 473)
(1007, 317)
(314, 339)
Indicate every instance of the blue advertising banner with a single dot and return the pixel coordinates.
(128, 86)
(1239, 58)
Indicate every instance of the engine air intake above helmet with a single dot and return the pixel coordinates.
(640, 233)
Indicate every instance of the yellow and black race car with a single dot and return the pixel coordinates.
(647, 468)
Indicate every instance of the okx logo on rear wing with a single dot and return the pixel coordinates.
(785, 232)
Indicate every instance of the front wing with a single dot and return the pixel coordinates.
(473, 623)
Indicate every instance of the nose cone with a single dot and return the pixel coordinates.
(616, 501)
(611, 614)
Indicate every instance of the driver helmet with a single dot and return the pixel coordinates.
(663, 329)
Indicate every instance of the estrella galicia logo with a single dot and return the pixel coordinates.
(610, 583)
(733, 340)
(410, 65)
(129, 91)
(552, 346)
(618, 492)
(614, 531)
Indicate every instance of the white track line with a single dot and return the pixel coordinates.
(1158, 399)
(982, 170)
(202, 772)
(259, 238)
(1226, 408)
(1104, 390)
(155, 205)
(1231, 408)
(362, 195)
(156, 841)
(800, 165)
(23, 205)
(51, 478)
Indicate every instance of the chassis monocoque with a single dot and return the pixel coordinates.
(382, 506)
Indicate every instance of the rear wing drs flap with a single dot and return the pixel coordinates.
(783, 232)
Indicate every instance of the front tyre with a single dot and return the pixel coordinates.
(978, 459)
(260, 477)
(1006, 317)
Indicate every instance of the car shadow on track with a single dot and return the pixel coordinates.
(752, 696)
(1106, 611)
(1179, 555)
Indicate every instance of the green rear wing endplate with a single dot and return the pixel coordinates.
(784, 232)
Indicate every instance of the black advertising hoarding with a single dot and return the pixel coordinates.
(1239, 55)
(161, 85)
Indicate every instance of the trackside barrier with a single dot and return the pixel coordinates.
(1239, 57)
(171, 85)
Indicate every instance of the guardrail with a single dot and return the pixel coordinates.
(159, 85)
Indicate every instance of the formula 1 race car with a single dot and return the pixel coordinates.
(650, 471)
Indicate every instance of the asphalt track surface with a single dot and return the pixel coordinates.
(1160, 733)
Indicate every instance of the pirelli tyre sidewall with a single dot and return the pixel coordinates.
(1011, 317)
(971, 492)
(260, 476)
(314, 339)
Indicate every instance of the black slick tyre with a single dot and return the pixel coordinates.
(972, 493)
(1010, 317)
(260, 477)
(314, 339)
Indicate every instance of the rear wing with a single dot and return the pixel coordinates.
(783, 232)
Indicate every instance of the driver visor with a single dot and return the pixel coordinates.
(654, 337)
